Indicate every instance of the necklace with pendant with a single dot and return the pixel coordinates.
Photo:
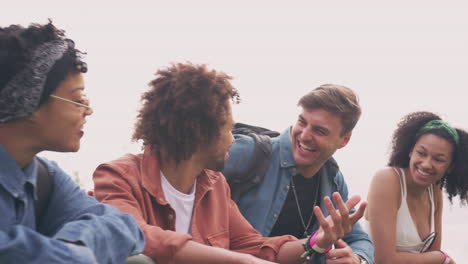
(293, 186)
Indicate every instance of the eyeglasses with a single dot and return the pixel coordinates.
(70, 101)
(428, 242)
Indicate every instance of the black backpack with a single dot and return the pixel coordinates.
(44, 188)
(241, 183)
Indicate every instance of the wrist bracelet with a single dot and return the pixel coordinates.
(447, 258)
(315, 247)
(311, 246)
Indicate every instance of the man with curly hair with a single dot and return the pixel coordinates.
(175, 190)
(45, 216)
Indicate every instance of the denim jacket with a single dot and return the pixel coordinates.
(105, 234)
(262, 204)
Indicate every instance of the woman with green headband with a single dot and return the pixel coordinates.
(404, 212)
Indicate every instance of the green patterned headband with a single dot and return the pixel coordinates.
(439, 124)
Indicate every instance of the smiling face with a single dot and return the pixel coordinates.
(315, 137)
(430, 159)
(59, 124)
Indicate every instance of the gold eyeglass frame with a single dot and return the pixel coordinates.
(70, 101)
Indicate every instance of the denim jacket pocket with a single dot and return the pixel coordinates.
(220, 239)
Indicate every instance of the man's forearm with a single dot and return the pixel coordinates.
(290, 252)
(196, 253)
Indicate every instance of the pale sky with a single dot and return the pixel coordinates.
(399, 56)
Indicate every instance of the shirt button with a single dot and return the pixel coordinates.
(275, 215)
(170, 217)
(287, 187)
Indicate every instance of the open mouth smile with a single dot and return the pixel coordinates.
(305, 147)
(422, 172)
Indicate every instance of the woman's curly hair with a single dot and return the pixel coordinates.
(405, 137)
(17, 44)
(184, 109)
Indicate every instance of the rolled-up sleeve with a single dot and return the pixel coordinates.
(21, 244)
(82, 252)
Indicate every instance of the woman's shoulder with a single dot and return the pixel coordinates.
(385, 185)
(387, 175)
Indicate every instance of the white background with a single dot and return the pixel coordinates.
(399, 56)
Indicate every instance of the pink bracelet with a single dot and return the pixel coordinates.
(315, 247)
(447, 258)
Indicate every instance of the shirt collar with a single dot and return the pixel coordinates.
(151, 178)
(286, 153)
(12, 177)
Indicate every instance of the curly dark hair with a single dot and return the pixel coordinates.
(405, 137)
(185, 108)
(17, 44)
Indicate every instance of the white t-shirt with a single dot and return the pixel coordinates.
(181, 203)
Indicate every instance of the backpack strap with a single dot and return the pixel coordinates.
(258, 165)
(44, 186)
(245, 129)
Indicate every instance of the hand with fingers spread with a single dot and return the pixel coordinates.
(339, 222)
(342, 254)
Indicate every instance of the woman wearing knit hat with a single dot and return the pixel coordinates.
(46, 218)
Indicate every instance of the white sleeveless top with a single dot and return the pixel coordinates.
(407, 238)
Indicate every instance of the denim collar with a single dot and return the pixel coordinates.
(12, 177)
(286, 153)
